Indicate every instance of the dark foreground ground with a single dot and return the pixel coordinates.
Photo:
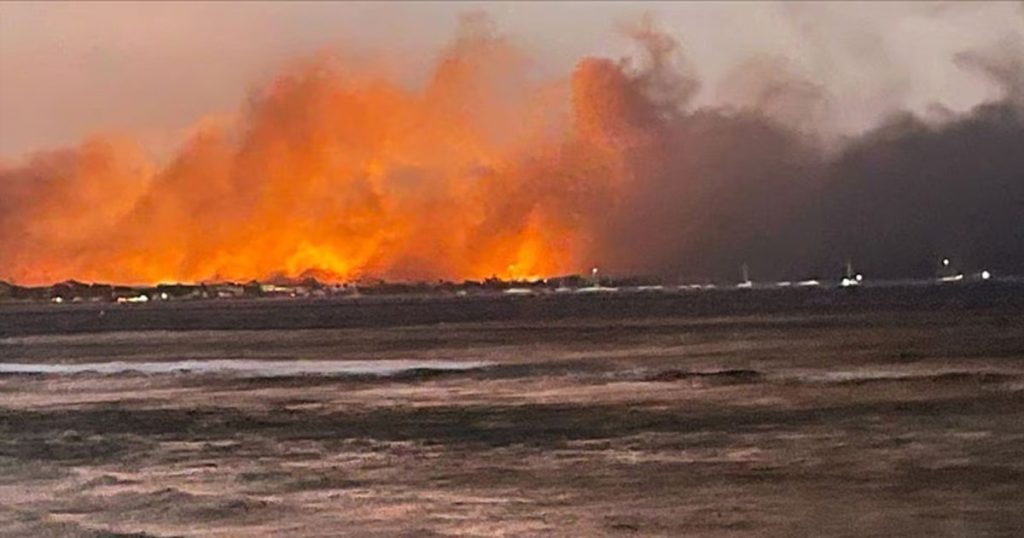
(791, 413)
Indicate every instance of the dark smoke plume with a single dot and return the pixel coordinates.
(336, 172)
(717, 188)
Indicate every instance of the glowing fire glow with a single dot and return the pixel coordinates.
(334, 171)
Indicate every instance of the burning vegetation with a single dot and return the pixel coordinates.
(334, 171)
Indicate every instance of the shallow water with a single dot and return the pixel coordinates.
(243, 368)
(810, 415)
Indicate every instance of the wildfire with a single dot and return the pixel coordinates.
(336, 171)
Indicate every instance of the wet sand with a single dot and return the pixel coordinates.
(804, 413)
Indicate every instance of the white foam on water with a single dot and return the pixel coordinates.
(881, 374)
(245, 368)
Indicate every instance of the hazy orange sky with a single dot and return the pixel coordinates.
(71, 69)
(197, 141)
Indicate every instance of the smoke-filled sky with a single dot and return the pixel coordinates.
(197, 141)
(70, 69)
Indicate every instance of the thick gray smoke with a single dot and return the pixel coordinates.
(484, 173)
(722, 187)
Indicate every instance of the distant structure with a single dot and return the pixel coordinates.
(746, 283)
(595, 284)
(309, 288)
(947, 273)
(850, 279)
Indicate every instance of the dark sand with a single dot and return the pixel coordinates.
(883, 412)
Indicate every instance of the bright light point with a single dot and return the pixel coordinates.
(945, 262)
(985, 275)
(860, 277)
(163, 296)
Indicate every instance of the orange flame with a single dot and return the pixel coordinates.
(337, 171)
